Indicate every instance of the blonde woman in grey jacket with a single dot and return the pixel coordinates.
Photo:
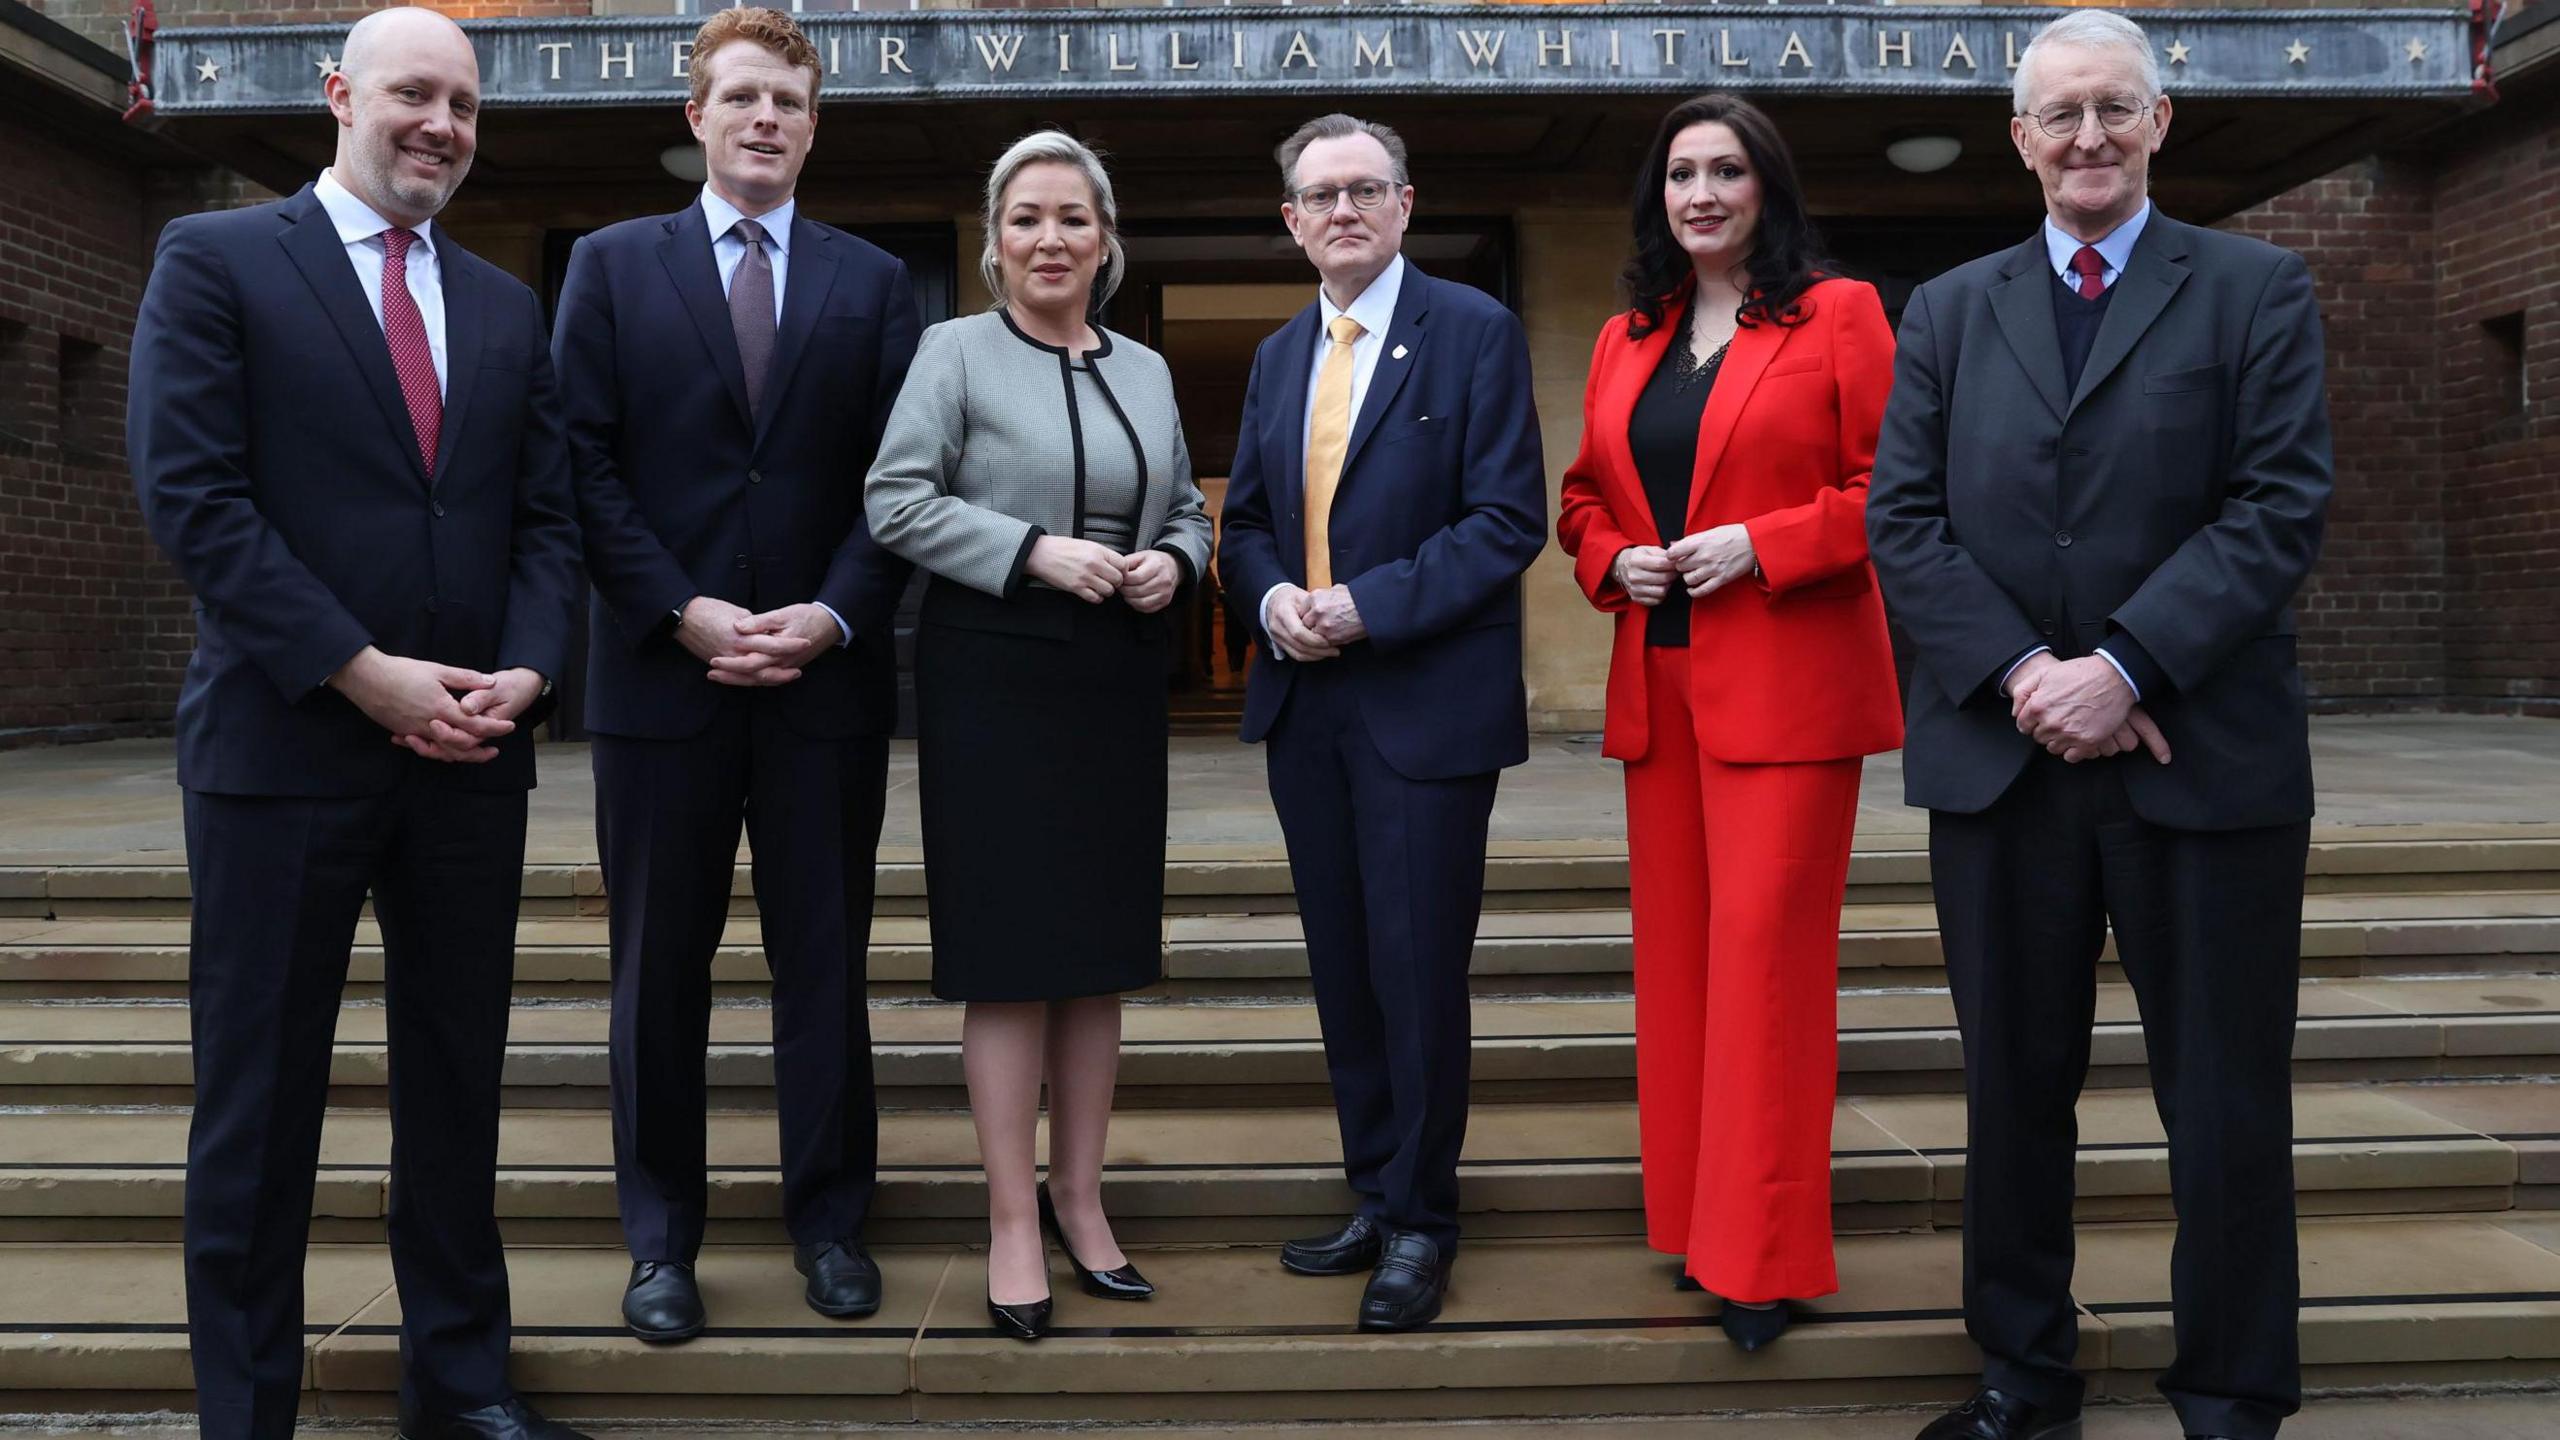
(1034, 466)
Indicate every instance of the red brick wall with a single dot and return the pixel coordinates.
(2372, 617)
(94, 628)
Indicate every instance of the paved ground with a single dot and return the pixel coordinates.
(120, 798)
(2499, 1417)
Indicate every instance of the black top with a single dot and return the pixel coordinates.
(2075, 325)
(1663, 433)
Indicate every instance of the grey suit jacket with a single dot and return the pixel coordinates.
(981, 456)
(2170, 508)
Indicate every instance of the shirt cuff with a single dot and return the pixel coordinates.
(1262, 612)
(2129, 682)
(2003, 687)
(841, 627)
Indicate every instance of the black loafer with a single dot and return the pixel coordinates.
(1348, 1251)
(663, 1303)
(1750, 1327)
(1406, 1289)
(1997, 1415)
(509, 1419)
(1124, 1283)
(844, 1284)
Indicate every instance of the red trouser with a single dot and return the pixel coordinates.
(1736, 873)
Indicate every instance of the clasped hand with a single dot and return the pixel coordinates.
(1313, 625)
(2081, 709)
(437, 712)
(1712, 559)
(747, 649)
(1094, 573)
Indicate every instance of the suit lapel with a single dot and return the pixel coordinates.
(1630, 367)
(1298, 357)
(813, 267)
(2151, 277)
(686, 252)
(462, 342)
(1754, 346)
(2024, 304)
(1400, 351)
(312, 243)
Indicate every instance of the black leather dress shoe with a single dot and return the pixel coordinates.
(1996, 1415)
(1752, 1327)
(509, 1419)
(1406, 1289)
(843, 1283)
(1347, 1251)
(662, 1303)
(1681, 1279)
(1124, 1283)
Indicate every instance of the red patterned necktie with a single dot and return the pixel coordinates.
(2092, 269)
(406, 330)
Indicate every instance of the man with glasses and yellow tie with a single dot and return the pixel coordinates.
(1388, 490)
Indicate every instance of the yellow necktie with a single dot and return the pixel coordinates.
(1328, 435)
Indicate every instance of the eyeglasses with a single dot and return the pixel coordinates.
(2116, 116)
(1365, 195)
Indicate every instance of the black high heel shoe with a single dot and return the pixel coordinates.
(1752, 1328)
(1124, 1283)
(1021, 1322)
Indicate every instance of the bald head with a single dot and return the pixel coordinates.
(401, 30)
(407, 101)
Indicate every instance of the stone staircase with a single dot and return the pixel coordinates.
(2427, 1160)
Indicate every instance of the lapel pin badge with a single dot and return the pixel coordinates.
(1399, 352)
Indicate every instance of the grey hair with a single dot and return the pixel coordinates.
(1335, 127)
(1053, 147)
(2091, 30)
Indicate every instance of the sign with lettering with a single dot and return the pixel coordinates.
(1352, 50)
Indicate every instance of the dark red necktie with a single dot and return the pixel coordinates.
(2092, 268)
(406, 330)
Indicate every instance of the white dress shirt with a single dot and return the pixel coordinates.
(727, 250)
(1375, 309)
(2115, 248)
(360, 230)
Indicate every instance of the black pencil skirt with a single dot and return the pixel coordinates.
(1040, 751)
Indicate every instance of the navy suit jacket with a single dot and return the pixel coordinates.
(1441, 506)
(276, 465)
(681, 494)
(2168, 509)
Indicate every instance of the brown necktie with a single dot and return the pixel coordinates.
(1328, 436)
(751, 311)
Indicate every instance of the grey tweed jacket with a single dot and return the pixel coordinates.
(983, 453)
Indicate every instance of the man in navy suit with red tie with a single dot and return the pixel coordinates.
(726, 371)
(1387, 492)
(341, 431)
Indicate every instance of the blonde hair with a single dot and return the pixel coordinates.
(771, 29)
(1053, 147)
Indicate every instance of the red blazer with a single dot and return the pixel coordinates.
(1792, 664)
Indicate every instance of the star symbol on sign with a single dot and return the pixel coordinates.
(2417, 50)
(2297, 53)
(328, 64)
(2178, 53)
(208, 70)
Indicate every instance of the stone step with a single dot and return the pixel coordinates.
(1260, 1175)
(1193, 1053)
(1534, 1327)
(1534, 951)
(1223, 879)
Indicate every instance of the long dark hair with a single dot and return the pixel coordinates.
(1786, 253)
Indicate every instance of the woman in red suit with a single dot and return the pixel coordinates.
(1718, 510)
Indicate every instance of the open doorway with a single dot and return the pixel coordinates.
(1204, 296)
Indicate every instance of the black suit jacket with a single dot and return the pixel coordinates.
(274, 457)
(682, 495)
(2169, 509)
(1441, 505)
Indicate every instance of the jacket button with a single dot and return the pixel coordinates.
(2062, 538)
(755, 477)
(438, 507)
(2047, 627)
(742, 562)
